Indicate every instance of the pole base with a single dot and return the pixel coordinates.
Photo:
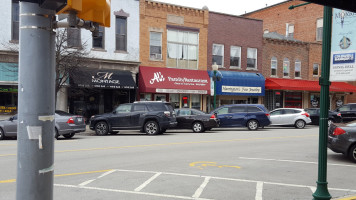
(321, 192)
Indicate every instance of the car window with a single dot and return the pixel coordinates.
(288, 111)
(222, 111)
(184, 112)
(353, 106)
(169, 107)
(237, 109)
(123, 108)
(311, 111)
(276, 112)
(253, 109)
(197, 112)
(344, 108)
(297, 111)
(159, 107)
(139, 108)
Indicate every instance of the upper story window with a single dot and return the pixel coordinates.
(218, 54)
(273, 66)
(315, 69)
(121, 33)
(290, 30)
(286, 67)
(155, 45)
(98, 42)
(297, 69)
(73, 37)
(15, 19)
(182, 49)
(319, 29)
(251, 58)
(235, 57)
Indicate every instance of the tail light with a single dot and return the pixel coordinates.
(70, 121)
(267, 114)
(339, 114)
(306, 114)
(167, 113)
(213, 116)
(339, 131)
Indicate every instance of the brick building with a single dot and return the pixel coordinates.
(173, 54)
(294, 38)
(235, 45)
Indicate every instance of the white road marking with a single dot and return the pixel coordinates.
(130, 192)
(259, 189)
(101, 176)
(139, 188)
(313, 189)
(295, 161)
(201, 188)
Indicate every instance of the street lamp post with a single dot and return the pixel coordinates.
(215, 68)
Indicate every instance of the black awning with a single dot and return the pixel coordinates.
(102, 78)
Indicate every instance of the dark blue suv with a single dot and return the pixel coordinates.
(251, 116)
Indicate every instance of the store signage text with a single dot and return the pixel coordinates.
(8, 90)
(241, 89)
(7, 109)
(104, 77)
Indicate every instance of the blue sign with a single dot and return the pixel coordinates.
(344, 58)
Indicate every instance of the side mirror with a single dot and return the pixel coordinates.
(11, 119)
(114, 112)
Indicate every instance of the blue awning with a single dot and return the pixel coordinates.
(9, 73)
(239, 83)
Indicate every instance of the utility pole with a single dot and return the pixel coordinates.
(36, 103)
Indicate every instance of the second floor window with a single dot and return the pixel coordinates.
(218, 54)
(251, 58)
(319, 29)
(286, 67)
(235, 56)
(182, 49)
(297, 69)
(99, 41)
(155, 45)
(273, 66)
(290, 30)
(15, 20)
(315, 69)
(121, 34)
(73, 37)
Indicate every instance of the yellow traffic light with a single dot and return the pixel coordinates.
(90, 10)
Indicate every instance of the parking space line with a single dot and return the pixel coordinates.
(201, 188)
(143, 185)
(101, 176)
(259, 189)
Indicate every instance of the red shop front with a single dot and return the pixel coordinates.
(181, 87)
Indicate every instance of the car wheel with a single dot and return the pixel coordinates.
(330, 121)
(101, 128)
(69, 135)
(352, 153)
(2, 135)
(299, 124)
(56, 134)
(197, 127)
(252, 125)
(151, 128)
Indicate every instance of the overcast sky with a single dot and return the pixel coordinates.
(234, 7)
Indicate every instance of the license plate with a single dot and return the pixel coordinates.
(80, 119)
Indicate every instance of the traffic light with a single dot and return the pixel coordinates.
(89, 10)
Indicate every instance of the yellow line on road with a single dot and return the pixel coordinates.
(60, 175)
(176, 143)
(347, 198)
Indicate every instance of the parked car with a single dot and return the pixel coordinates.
(342, 139)
(197, 120)
(334, 117)
(151, 117)
(66, 124)
(348, 112)
(290, 117)
(251, 116)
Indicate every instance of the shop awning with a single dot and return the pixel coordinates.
(171, 80)
(239, 83)
(102, 78)
(306, 85)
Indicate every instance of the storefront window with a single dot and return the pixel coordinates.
(293, 100)
(8, 99)
(174, 99)
(160, 97)
(315, 100)
(145, 97)
(196, 101)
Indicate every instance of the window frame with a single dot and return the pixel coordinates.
(286, 60)
(222, 56)
(15, 30)
(256, 54)
(231, 56)
(289, 34)
(102, 36)
(274, 59)
(316, 75)
(117, 35)
(150, 55)
(319, 37)
(300, 69)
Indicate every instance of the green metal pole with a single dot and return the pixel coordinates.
(322, 184)
(214, 89)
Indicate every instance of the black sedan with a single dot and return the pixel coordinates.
(334, 117)
(196, 120)
(342, 139)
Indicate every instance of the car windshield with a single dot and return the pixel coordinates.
(62, 113)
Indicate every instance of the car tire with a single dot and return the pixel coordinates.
(352, 153)
(252, 125)
(198, 127)
(151, 128)
(330, 121)
(2, 135)
(101, 128)
(299, 123)
(69, 135)
(56, 134)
